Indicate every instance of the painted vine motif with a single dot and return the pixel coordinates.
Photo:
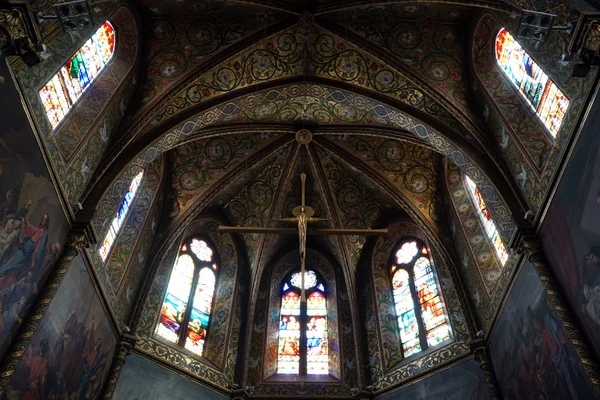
(177, 47)
(412, 169)
(251, 206)
(199, 164)
(428, 38)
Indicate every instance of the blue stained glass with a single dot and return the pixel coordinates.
(321, 287)
(115, 226)
(286, 287)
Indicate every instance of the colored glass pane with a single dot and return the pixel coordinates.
(317, 359)
(321, 287)
(403, 301)
(549, 103)
(201, 250)
(117, 222)
(432, 307)
(310, 279)
(288, 359)
(315, 304)
(75, 76)
(196, 332)
(290, 303)
(488, 222)
(407, 252)
(175, 304)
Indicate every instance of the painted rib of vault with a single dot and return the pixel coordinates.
(177, 48)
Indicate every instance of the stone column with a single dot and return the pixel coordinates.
(76, 242)
(530, 246)
(122, 351)
(482, 355)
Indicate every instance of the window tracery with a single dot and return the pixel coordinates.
(303, 345)
(76, 75)
(420, 310)
(549, 103)
(192, 282)
(487, 221)
(117, 222)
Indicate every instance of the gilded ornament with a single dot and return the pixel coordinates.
(304, 136)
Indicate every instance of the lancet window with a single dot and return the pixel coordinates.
(549, 103)
(420, 310)
(75, 76)
(117, 222)
(303, 346)
(185, 313)
(487, 221)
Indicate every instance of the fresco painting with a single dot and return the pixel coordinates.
(571, 229)
(464, 381)
(141, 379)
(532, 354)
(70, 354)
(33, 227)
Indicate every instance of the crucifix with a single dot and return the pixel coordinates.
(302, 216)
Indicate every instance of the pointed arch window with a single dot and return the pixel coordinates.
(420, 310)
(117, 222)
(192, 282)
(75, 76)
(303, 346)
(487, 221)
(549, 103)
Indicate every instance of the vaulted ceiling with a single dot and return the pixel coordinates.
(383, 89)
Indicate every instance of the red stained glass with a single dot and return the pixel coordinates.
(549, 103)
(487, 221)
(67, 86)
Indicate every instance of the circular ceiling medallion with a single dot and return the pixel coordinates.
(304, 136)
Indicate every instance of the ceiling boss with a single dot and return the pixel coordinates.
(303, 215)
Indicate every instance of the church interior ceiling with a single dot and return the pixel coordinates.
(208, 98)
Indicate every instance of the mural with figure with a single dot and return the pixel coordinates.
(141, 379)
(533, 356)
(70, 353)
(33, 226)
(464, 381)
(571, 229)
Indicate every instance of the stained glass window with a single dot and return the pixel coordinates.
(487, 221)
(117, 222)
(293, 326)
(310, 279)
(549, 103)
(180, 324)
(420, 310)
(76, 75)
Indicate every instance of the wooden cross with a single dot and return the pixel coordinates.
(303, 215)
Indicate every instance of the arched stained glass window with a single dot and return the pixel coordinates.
(76, 75)
(549, 103)
(192, 281)
(303, 346)
(117, 222)
(487, 221)
(420, 310)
